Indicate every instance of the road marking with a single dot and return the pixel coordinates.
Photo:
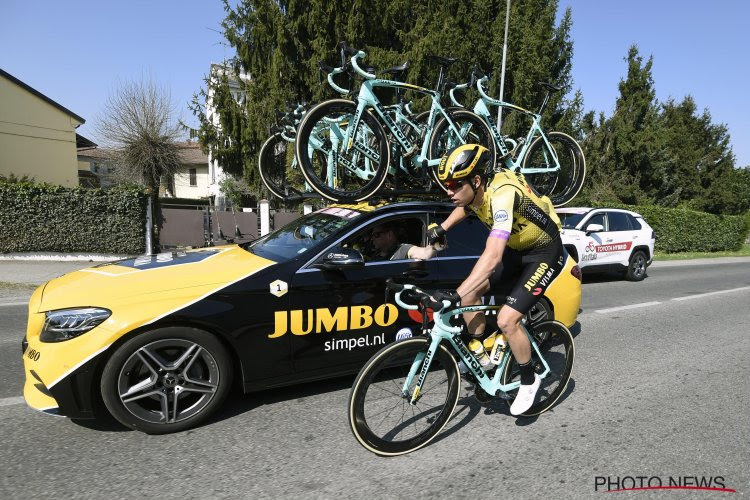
(622, 308)
(18, 400)
(701, 295)
(16, 304)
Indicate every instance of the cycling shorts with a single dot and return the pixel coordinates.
(523, 277)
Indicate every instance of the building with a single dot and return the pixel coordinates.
(215, 173)
(37, 135)
(192, 181)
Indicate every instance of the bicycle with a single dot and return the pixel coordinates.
(276, 161)
(553, 162)
(356, 165)
(394, 382)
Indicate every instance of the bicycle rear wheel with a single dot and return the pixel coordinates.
(380, 416)
(555, 343)
(275, 163)
(560, 185)
(471, 130)
(339, 175)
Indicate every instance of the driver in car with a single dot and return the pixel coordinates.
(387, 245)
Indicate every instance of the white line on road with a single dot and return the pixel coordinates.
(698, 296)
(15, 304)
(631, 306)
(18, 400)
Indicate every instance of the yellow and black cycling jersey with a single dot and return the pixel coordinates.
(512, 210)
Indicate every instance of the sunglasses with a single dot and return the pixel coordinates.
(454, 184)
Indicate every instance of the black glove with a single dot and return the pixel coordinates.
(450, 295)
(436, 234)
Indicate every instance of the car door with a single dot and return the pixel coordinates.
(339, 318)
(624, 237)
(594, 244)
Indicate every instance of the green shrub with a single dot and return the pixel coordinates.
(47, 218)
(681, 230)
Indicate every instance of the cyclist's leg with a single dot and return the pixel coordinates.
(539, 270)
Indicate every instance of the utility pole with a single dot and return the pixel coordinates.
(502, 71)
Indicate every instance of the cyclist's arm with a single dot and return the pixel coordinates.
(501, 208)
(458, 214)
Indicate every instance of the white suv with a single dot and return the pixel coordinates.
(608, 239)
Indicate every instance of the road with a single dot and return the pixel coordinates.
(659, 390)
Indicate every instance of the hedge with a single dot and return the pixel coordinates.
(47, 218)
(680, 230)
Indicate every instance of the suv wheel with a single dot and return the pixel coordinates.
(636, 266)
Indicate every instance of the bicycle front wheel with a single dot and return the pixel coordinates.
(380, 414)
(469, 129)
(555, 343)
(340, 170)
(562, 185)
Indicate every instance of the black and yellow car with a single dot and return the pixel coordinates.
(159, 340)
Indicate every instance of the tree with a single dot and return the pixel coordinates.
(279, 44)
(138, 125)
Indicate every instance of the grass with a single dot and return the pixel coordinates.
(5, 285)
(742, 252)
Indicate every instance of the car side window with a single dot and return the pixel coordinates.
(409, 230)
(618, 221)
(467, 238)
(634, 222)
(597, 219)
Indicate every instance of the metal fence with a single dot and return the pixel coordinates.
(202, 226)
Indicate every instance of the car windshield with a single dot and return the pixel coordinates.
(569, 220)
(301, 235)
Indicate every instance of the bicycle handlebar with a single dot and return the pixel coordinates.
(361, 55)
(452, 94)
(425, 301)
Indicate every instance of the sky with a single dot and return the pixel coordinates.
(77, 52)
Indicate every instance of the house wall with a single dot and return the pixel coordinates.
(36, 138)
(182, 186)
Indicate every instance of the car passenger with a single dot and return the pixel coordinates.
(523, 250)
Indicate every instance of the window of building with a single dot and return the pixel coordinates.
(193, 177)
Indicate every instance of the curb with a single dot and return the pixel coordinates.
(62, 257)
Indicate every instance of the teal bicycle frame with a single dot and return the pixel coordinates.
(481, 108)
(367, 98)
(442, 331)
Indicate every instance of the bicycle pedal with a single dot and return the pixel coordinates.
(504, 395)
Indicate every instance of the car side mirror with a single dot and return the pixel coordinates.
(594, 228)
(340, 258)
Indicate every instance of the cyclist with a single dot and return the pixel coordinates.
(523, 250)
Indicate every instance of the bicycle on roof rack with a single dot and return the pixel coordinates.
(355, 156)
(553, 162)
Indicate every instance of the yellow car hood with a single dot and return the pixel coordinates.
(105, 284)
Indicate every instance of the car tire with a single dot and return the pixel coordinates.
(637, 264)
(166, 380)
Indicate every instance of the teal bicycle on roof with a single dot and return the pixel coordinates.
(552, 162)
(357, 164)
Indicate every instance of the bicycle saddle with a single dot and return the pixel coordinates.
(550, 87)
(396, 69)
(442, 61)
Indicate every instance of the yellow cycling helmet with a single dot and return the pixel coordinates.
(463, 161)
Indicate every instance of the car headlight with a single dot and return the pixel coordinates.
(65, 324)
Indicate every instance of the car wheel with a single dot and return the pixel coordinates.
(636, 266)
(166, 380)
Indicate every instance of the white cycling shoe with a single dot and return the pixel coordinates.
(525, 397)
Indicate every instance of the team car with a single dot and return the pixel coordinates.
(157, 341)
(608, 239)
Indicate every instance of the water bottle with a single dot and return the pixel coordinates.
(480, 354)
(501, 344)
